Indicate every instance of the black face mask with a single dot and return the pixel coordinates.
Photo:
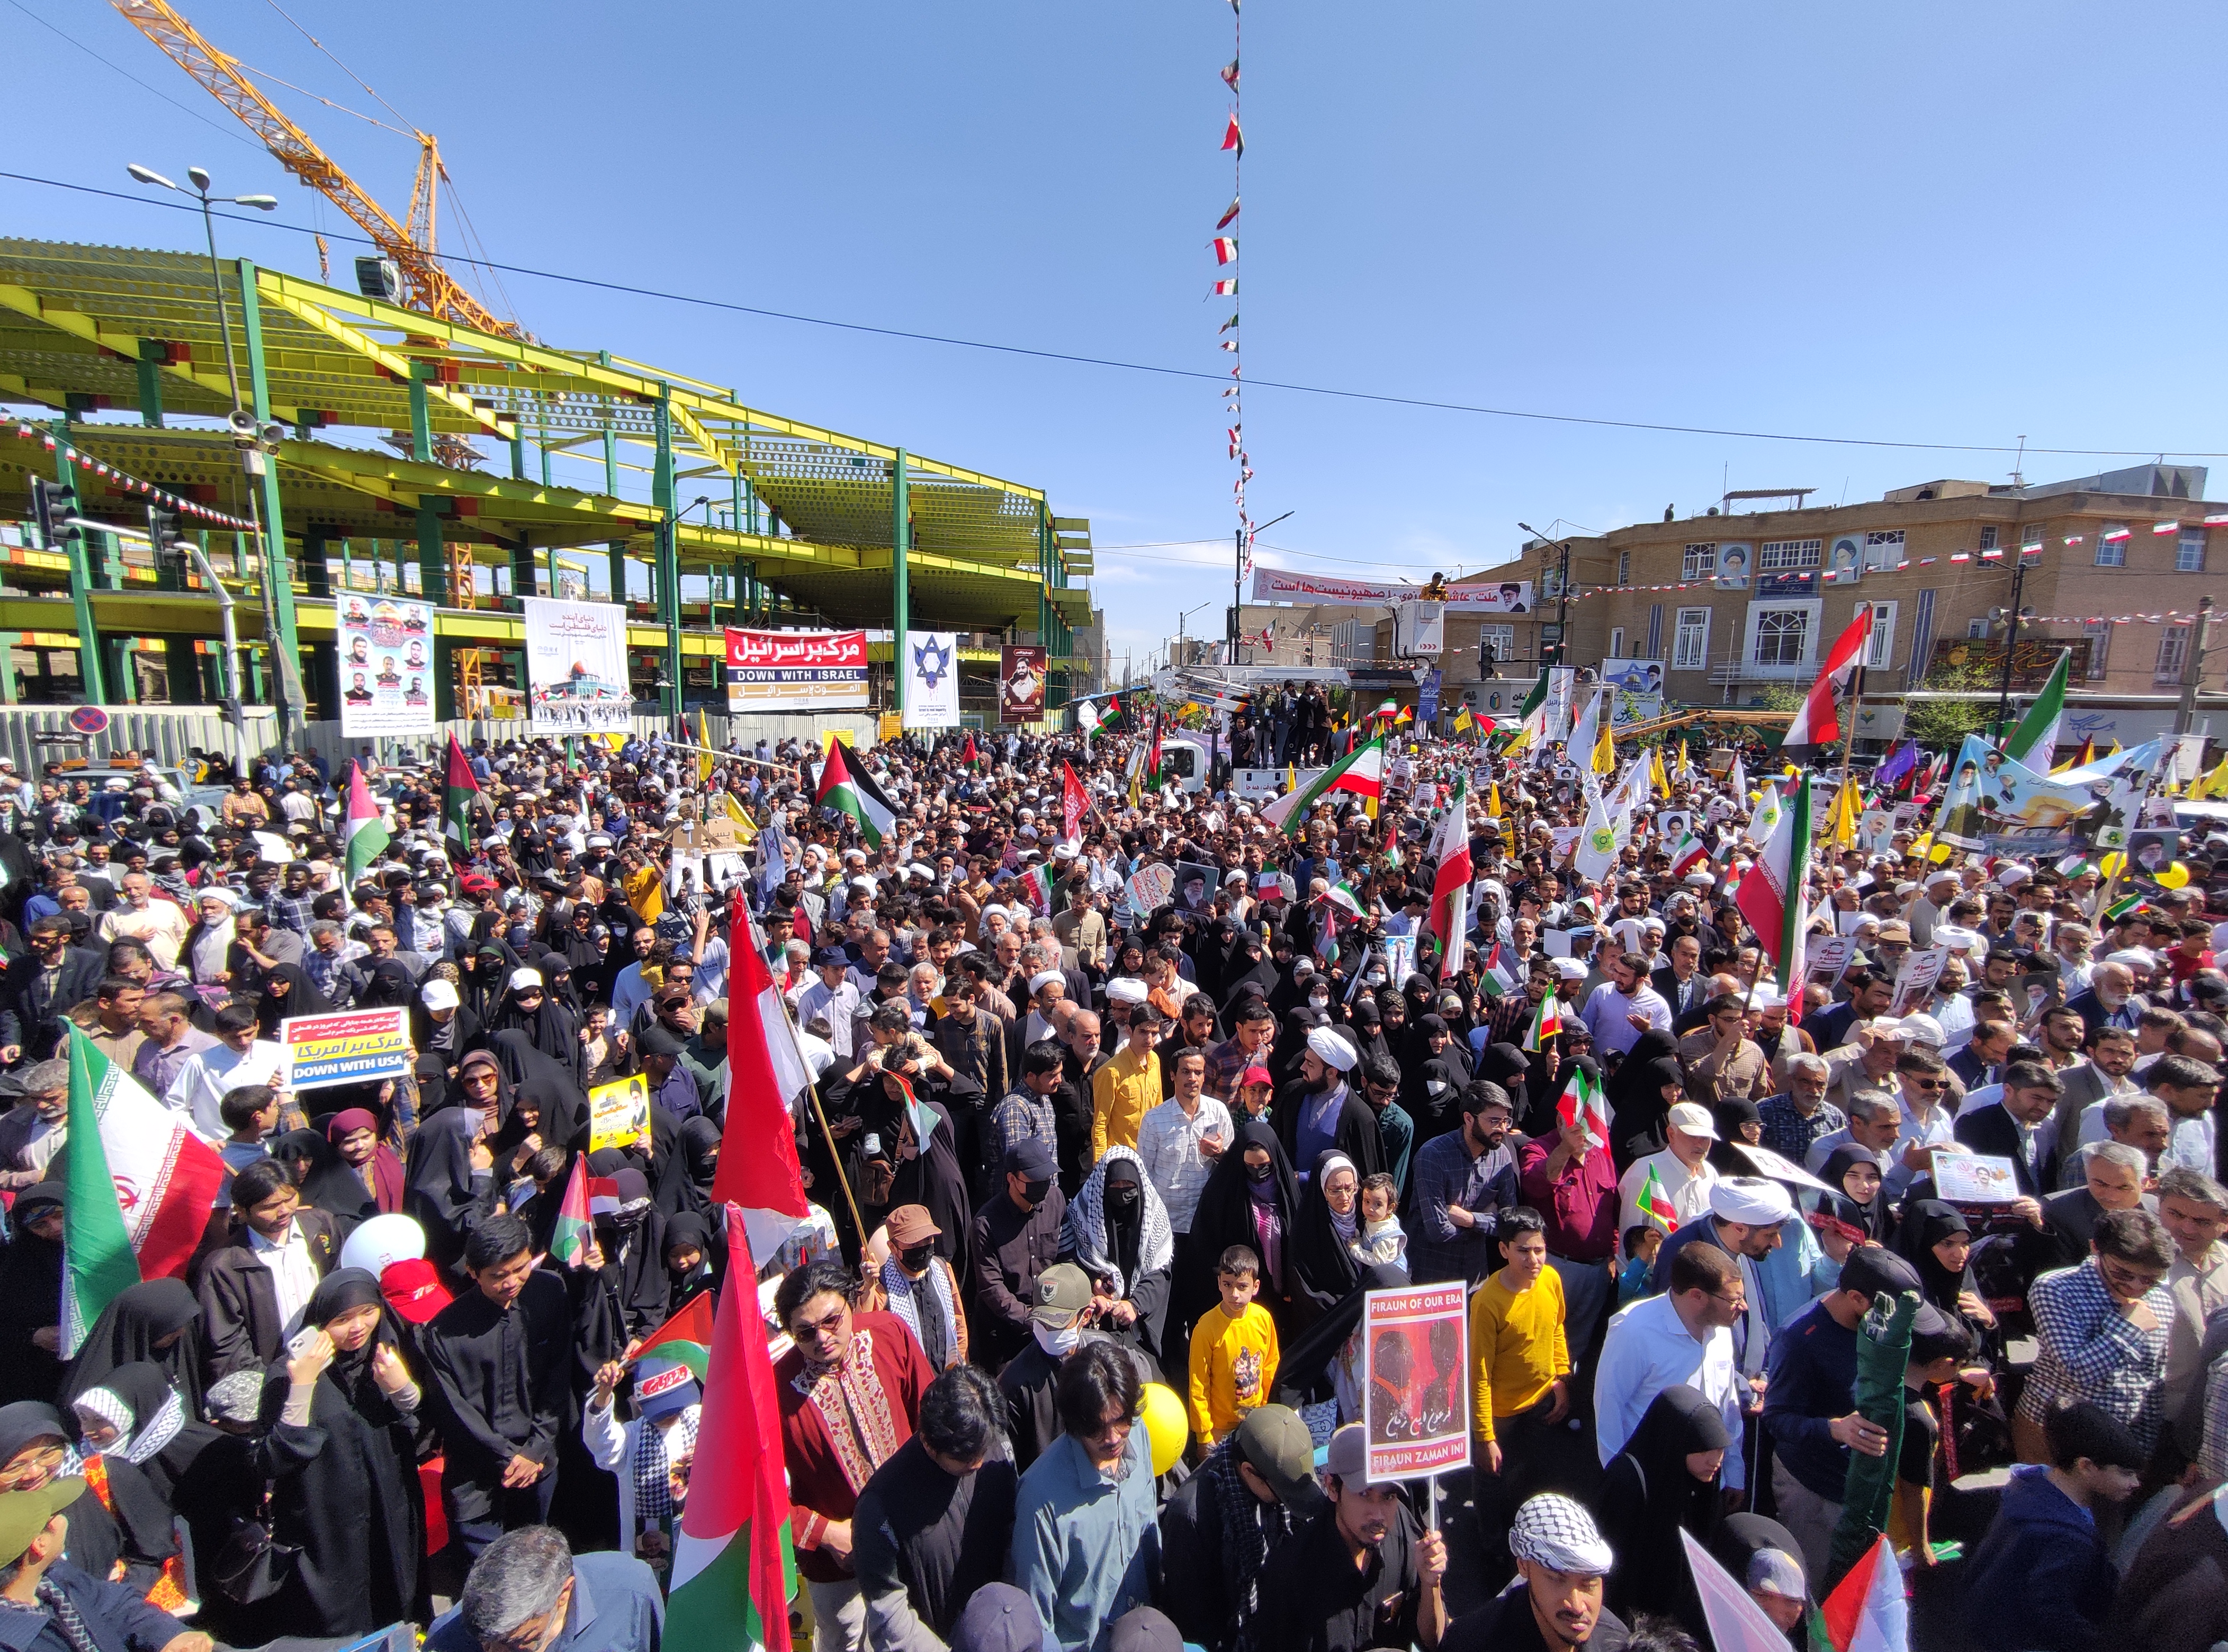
(1259, 1172)
(1121, 1199)
(1036, 1192)
(916, 1259)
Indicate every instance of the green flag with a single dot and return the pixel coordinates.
(2036, 737)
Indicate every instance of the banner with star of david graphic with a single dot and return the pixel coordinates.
(931, 682)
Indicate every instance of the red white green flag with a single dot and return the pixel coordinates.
(1770, 892)
(363, 833)
(1581, 1106)
(456, 797)
(733, 1567)
(583, 1197)
(687, 1336)
(1450, 915)
(1653, 1203)
(759, 1169)
(1546, 1023)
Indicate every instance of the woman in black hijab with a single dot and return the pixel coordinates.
(1639, 1114)
(1116, 1231)
(525, 1070)
(36, 1449)
(156, 1321)
(1324, 1268)
(31, 1296)
(1322, 1367)
(449, 1182)
(1369, 1030)
(1856, 1172)
(1740, 1125)
(1393, 1016)
(557, 975)
(632, 1238)
(1252, 1199)
(928, 1174)
(584, 953)
(342, 1421)
(1665, 1481)
(693, 1267)
(1508, 1066)
(129, 1420)
(387, 984)
(527, 1008)
(699, 1157)
(284, 991)
(1249, 972)
(1937, 1241)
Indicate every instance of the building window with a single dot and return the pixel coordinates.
(1884, 552)
(1778, 555)
(1783, 636)
(1501, 639)
(1655, 631)
(1616, 641)
(1700, 562)
(2099, 633)
(1879, 649)
(1987, 536)
(1624, 567)
(2173, 655)
(2189, 552)
(2030, 537)
(1690, 647)
(1975, 630)
(2112, 545)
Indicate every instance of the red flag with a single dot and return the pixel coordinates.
(733, 1567)
(1234, 139)
(970, 756)
(1816, 723)
(758, 1158)
(1074, 805)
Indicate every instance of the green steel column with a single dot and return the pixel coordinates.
(619, 557)
(274, 518)
(347, 567)
(669, 557)
(522, 583)
(744, 569)
(432, 557)
(317, 573)
(1044, 576)
(91, 679)
(150, 384)
(518, 451)
(900, 590)
(421, 414)
(610, 440)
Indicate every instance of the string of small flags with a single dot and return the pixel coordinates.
(1228, 336)
(129, 483)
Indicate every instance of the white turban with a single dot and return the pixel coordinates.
(1126, 990)
(1044, 978)
(1751, 1200)
(1332, 1050)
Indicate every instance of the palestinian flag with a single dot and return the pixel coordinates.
(1496, 980)
(456, 797)
(1772, 896)
(1582, 1106)
(687, 1336)
(1546, 1024)
(1653, 1203)
(1866, 1610)
(733, 1568)
(363, 833)
(1113, 716)
(845, 788)
(584, 1198)
(1361, 773)
(137, 1187)
(1450, 914)
(2036, 737)
(765, 1071)
(970, 756)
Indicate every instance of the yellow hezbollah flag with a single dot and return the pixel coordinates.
(1604, 758)
(1845, 816)
(745, 829)
(1661, 780)
(704, 759)
(1493, 798)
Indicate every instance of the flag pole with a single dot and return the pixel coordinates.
(754, 937)
(1849, 734)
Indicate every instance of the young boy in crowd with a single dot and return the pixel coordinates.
(1938, 1343)
(1233, 1351)
(251, 1113)
(2042, 1580)
(1642, 1241)
(1384, 1241)
(1255, 1087)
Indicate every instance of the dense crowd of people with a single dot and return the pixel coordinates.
(1073, 1140)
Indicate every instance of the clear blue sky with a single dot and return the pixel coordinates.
(1929, 224)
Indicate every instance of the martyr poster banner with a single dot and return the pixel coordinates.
(576, 667)
(1021, 682)
(386, 650)
(797, 671)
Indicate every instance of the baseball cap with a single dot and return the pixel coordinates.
(1693, 1118)
(1254, 1075)
(1276, 1442)
(1873, 1269)
(831, 957)
(24, 1514)
(911, 1225)
(1348, 1456)
(1063, 1291)
(999, 1618)
(1031, 1159)
(438, 993)
(1144, 1629)
(413, 1287)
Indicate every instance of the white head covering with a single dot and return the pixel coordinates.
(1751, 1200)
(522, 979)
(1556, 1532)
(1332, 1050)
(1044, 978)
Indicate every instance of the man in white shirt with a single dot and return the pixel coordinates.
(1683, 1170)
(1685, 1335)
(1180, 1139)
(161, 923)
(832, 996)
(1624, 1006)
(238, 1057)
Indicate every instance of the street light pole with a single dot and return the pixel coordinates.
(1562, 593)
(2012, 618)
(2192, 666)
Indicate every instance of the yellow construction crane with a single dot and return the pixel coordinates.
(425, 284)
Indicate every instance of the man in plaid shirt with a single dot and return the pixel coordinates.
(2100, 1331)
(288, 906)
(1247, 1046)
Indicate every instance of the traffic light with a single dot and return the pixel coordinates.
(55, 506)
(1488, 658)
(171, 555)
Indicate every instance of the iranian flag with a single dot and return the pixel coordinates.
(846, 790)
(1816, 722)
(1035, 888)
(361, 831)
(767, 1072)
(456, 798)
(1449, 912)
(1653, 1203)
(137, 1187)
(1687, 853)
(687, 1336)
(1362, 772)
(2036, 737)
(1581, 1107)
(733, 1568)
(1226, 249)
(1546, 1023)
(1770, 894)
(1867, 1611)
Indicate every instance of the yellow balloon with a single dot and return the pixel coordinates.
(1162, 1414)
(2111, 865)
(2173, 877)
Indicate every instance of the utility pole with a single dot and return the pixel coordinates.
(2012, 617)
(2192, 666)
